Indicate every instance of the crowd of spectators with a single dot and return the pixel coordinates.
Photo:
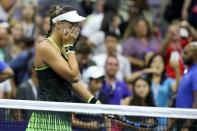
(131, 52)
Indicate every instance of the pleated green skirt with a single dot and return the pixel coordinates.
(49, 121)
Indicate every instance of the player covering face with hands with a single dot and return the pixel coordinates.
(57, 69)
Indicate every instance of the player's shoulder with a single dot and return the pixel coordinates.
(44, 46)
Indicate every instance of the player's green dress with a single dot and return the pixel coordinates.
(51, 88)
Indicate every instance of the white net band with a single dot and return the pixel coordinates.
(99, 109)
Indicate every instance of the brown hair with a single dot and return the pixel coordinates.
(82, 47)
(130, 30)
(111, 56)
(56, 10)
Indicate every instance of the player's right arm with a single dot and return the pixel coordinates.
(49, 55)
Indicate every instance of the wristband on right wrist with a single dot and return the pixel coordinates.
(69, 49)
(92, 100)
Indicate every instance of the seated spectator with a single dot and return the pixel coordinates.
(133, 13)
(28, 21)
(5, 73)
(162, 87)
(20, 63)
(83, 51)
(189, 12)
(116, 89)
(5, 86)
(94, 78)
(4, 41)
(16, 39)
(5, 8)
(142, 95)
(87, 6)
(111, 43)
(97, 40)
(28, 90)
(111, 22)
(45, 27)
(140, 42)
(94, 20)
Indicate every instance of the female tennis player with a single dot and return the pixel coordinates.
(57, 69)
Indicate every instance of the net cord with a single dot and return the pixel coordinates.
(99, 109)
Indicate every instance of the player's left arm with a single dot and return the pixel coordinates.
(83, 93)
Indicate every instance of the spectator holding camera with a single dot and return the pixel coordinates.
(162, 86)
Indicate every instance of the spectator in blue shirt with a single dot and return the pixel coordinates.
(187, 92)
(117, 90)
(20, 63)
(5, 73)
(162, 87)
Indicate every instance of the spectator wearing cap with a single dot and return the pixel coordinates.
(187, 91)
(111, 44)
(94, 78)
(28, 89)
(117, 90)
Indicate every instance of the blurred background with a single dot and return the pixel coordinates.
(129, 52)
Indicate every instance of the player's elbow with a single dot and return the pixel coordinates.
(73, 78)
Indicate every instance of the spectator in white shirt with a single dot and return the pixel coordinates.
(111, 43)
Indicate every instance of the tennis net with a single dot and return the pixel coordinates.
(21, 115)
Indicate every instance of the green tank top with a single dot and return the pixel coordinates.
(51, 86)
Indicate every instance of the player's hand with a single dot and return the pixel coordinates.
(71, 36)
